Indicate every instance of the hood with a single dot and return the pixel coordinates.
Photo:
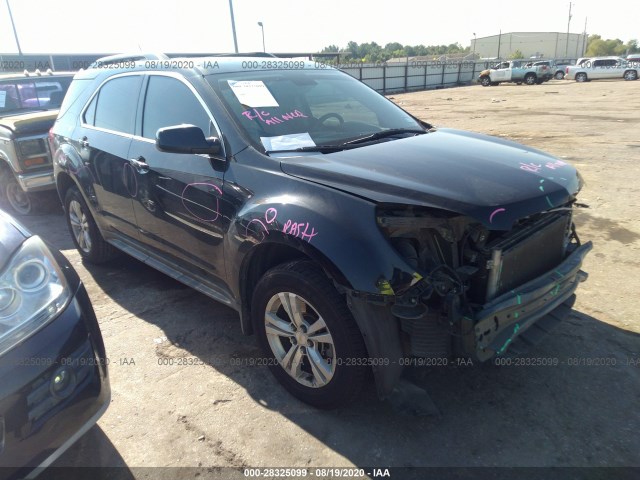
(489, 179)
(30, 123)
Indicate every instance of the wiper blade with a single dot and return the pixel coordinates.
(384, 133)
(314, 148)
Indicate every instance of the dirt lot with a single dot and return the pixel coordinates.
(184, 394)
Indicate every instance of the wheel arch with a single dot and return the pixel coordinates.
(267, 255)
(63, 183)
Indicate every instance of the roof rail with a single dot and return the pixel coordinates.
(246, 54)
(127, 57)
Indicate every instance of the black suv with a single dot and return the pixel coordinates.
(350, 236)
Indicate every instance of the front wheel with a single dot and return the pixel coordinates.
(485, 81)
(630, 75)
(84, 231)
(21, 202)
(314, 347)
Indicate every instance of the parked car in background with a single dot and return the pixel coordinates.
(53, 375)
(349, 235)
(555, 70)
(515, 71)
(602, 68)
(29, 104)
(633, 58)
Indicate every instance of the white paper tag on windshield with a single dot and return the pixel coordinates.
(253, 93)
(3, 98)
(287, 142)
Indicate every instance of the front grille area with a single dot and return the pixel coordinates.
(41, 400)
(524, 253)
(531, 251)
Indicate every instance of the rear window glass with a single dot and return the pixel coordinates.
(29, 94)
(116, 104)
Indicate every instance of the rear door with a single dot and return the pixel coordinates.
(180, 205)
(107, 127)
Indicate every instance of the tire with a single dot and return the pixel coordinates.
(581, 77)
(559, 75)
(530, 79)
(327, 375)
(630, 75)
(485, 81)
(21, 202)
(84, 231)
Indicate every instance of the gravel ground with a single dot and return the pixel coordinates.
(187, 392)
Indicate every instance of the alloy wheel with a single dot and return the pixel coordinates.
(80, 226)
(300, 339)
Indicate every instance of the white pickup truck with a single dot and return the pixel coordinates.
(515, 71)
(603, 67)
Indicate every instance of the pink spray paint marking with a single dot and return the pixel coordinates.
(129, 172)
(295, 229)
(495, 212)
(269, 217)
(269, 119)
(185, 201)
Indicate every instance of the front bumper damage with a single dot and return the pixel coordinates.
(511, 314)
(542, 302)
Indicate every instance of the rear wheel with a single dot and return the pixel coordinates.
(630, 75)
(559, 75)
(313, 344)
(581, 77)
(84, 231)
(530, 79)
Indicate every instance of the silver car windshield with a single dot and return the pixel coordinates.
(281, 110)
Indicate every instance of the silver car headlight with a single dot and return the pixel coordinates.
(33, 290)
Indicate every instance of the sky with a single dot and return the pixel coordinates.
(116, 26)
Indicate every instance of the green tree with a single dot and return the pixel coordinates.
(632, 46)
(515, 55)
(599, 47)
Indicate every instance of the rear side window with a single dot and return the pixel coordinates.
(115, 105)
(170, 102)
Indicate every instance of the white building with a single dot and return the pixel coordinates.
(531, 44)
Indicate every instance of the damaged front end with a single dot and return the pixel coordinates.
(476, 290)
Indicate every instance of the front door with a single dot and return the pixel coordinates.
(180, 205)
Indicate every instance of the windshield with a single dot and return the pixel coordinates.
(29, 94)
(289, 110)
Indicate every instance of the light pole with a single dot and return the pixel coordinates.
(15, 33)
(566, 52)
(233, 26)
(474, 46)
(262, 27)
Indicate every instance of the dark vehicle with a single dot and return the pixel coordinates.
(349, 235)
(53, 375)
(29, 104)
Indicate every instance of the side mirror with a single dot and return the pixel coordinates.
(186, 139)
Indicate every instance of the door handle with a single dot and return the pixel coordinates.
(84, 143)
(139, 164)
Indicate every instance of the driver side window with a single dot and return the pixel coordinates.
(170, 102)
